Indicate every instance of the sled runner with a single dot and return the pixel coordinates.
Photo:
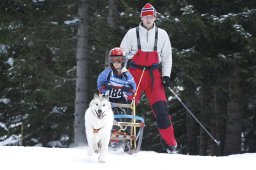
(127, 132)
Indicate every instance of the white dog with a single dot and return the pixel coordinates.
(99, 120)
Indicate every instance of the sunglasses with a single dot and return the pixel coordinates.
(117, 59)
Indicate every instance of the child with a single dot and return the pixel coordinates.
(116, 81)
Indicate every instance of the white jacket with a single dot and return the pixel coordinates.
(147, 40)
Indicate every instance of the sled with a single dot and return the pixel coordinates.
(127, 132)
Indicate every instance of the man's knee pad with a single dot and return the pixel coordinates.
(162, 116)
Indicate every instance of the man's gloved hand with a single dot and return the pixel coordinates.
(126, 88)
(109, 86)
(166, 81)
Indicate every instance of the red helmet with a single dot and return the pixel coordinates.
(117, 54)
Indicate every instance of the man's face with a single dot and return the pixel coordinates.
(148, 21)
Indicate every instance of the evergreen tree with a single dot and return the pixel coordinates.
(37, 39)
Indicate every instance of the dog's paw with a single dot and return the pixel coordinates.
(90, 152)
(102, 157)
(101, 160)
(97, 150)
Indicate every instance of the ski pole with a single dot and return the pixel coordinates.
(216, 141)
(133, 130)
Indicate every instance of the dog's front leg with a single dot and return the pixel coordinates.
(104, 148)
(103, 151)
(96, 143)
(90, 140)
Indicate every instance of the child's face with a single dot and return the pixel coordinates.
(117, 65)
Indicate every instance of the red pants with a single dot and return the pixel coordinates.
(156, 97)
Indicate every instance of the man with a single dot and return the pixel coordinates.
(147, 46)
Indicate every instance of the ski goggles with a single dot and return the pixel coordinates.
(120, 59)
(148, 17)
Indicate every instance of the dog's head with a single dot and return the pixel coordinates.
(99, 105)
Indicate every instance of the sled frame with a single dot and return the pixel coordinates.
(134, 138)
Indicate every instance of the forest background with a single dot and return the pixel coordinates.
(214, 69)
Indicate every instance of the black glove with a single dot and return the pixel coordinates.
(109, 86)
(126, 88)
(166, 81)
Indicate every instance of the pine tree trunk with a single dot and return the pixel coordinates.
(206, 102)
(112, 13)
(220, 110)
(202, 143)
(81, 85)
(234, 117)
(191, 131)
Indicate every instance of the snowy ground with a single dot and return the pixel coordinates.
(39, 158)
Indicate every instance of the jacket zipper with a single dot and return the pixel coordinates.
(147, 36)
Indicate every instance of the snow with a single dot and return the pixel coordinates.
(2, 125)
(39, 158)
(35, 1)
(73, 21)
(5, 100)
(10, 61)
(3, 49)
(187, 10)
(12, 140)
